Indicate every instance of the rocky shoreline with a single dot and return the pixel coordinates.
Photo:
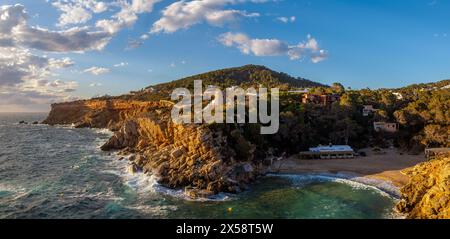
(201, 160)
(196, 158)
(427, 195)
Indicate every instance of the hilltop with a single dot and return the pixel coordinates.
(443, 84)
(244, 77)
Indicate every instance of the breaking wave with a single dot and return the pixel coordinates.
(384, 188)
(148, 183)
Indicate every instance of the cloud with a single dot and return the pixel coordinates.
(19, 66)
(121, 64)
(286, 19)
(127, 16)
(72, 14)
(320, 56)
(78, 11)
(27, 79)
(133, 44)
(63, 86)
(274, 47)
(184, 14)
(24, 79)
(95, 84)
(29, 101)
(144, 37)
(15, 32)
(97, 70)
(61, 63)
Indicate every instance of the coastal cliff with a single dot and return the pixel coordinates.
(427, 195)
(196, 158)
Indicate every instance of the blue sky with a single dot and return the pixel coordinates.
(370, 43)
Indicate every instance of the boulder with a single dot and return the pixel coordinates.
(176, 153)
(133, 168)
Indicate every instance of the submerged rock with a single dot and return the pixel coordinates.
(198, 193)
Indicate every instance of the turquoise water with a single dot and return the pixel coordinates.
(59, 172)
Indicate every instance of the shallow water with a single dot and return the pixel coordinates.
(59, 172)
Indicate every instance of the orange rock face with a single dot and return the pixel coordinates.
(427, 196)
(193, 157)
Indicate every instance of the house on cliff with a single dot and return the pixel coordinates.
(368, 110)
(324, 100)
(385, 127)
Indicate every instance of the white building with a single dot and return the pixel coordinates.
(329, 152)
(385, 127)
(398, 95)
(368, 109)
(299, 91)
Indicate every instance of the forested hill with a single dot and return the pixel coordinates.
(244, 76)
(444, 84)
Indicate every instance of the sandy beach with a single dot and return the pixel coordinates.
(386, 165)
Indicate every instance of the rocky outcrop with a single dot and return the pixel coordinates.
(196, 158)
(427, 195)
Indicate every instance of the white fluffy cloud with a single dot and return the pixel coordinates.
(286, 19)
(15, 32)
(20, 67)
(78, 11)
(127, 16)
(95, 84)
(274, 47)
(97, 70)
(24, 79)
(121, 64)
(61, 63)
(184, 14)
(27, 79)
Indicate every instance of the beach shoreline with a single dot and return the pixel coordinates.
(385, 166)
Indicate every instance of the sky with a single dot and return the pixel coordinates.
(61, 50)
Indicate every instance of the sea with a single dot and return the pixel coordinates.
(60, 172)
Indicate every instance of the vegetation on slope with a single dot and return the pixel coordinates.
(424, 119)
(423, 112)
(244, 77)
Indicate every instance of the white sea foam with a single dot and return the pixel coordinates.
(15, 190)
(9, 188)
(384, 188)
(103, 131)
(154, 211)
(137, 181)
(64, 126)
(108, 195)
(143, 184)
